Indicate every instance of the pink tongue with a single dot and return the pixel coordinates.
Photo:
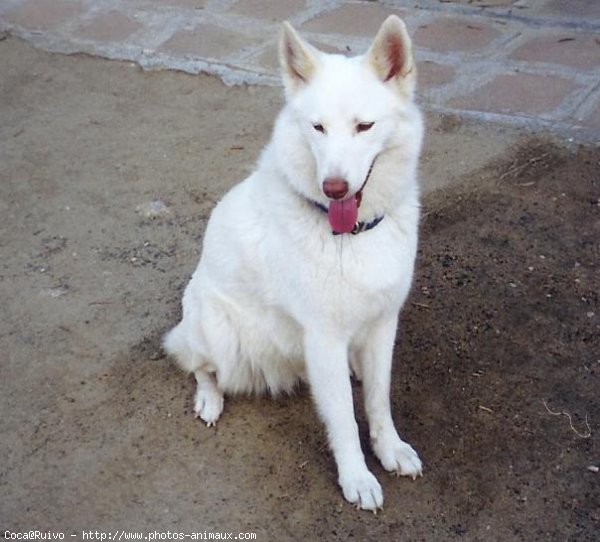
(343, 214)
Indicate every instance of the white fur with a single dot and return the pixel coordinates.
(276, 298)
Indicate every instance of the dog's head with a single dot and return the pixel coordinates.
(348, 110)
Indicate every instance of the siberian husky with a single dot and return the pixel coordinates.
(306, 263)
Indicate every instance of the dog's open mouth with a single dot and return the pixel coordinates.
(343, 214)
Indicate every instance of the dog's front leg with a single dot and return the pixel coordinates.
(329, 378)
(376, 365)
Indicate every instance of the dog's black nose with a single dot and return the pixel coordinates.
(335, 187)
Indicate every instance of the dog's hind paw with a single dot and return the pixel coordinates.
(363, 490)
(208, 406)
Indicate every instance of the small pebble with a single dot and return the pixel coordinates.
(58, 291)
(153, 209)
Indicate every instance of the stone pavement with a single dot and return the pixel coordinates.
(532, 62)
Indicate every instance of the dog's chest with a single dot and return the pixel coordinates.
(347, 280)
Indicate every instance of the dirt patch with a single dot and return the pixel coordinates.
(97, 425)
(506, 317)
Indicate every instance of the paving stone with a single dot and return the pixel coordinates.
(44, 14)
(431, 74)
(593, 120)
(207, 41)
(269, 61)
(518, 93)
(192, 4)
(273, 11)
(456, 34)
(111, 26)
(353, 19)
(483, 3)
(572, 49)
(584, 9)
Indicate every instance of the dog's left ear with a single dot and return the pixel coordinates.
(297, 58)
(390, 56)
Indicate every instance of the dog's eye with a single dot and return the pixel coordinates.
(364, 126)
(319, 127)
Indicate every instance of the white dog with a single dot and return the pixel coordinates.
(307, 262)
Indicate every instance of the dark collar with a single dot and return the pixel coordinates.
(358, 227)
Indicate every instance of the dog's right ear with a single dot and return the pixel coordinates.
(297, 58)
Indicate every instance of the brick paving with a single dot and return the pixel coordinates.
(533, 62)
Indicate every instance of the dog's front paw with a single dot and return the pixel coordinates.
(362, 489)
(398, 456)
(208, 405)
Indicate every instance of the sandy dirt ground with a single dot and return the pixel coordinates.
(107, 177)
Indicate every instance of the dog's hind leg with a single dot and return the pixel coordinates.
(208, 403)
(395, 454)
